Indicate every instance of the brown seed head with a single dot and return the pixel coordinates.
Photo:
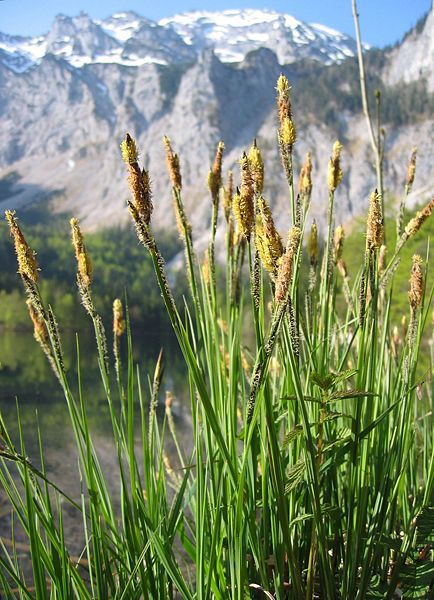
(205, 269)
(215, 173)
(40, 331)
(118, 318)
(411, 169)
(284, 272)
(84, 264)
(27, 264)
(312, 244)
(305, 180)
(421, 216)
(256, 168)
(169, 400)
(228, 192)
(138, 180)
(382, 259)
(375, 228)
(172, 164)
(335, 173)
(339, 242)
(267, 239)
(416, 283)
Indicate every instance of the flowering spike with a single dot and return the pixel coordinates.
(27, 265)
(84, 264)
(172, 164)
(415, 294)
(375, 227)
(215, 173)
(335, 173)
(138, 180)
(118, 318)
(256, 167)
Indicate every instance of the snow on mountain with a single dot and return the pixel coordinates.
(126, 38)
(234, 33)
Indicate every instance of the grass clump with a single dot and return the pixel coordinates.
(311, 469)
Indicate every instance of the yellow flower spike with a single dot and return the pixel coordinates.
(269, 243)
(256, 167)
(27, 265)
(129, 150)
(335, 173)
(242, 204)
(287, 132)
(118, 318)
(305, 180)
(84, 265)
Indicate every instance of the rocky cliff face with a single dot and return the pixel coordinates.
(414, 57)
(62, 120)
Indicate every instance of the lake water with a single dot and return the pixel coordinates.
(27, 379)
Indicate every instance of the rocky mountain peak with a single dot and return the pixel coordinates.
(129, 39)
(413, 59)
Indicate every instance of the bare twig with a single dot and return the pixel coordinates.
(375, 139)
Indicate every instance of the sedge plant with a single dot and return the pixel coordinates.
(311, 469)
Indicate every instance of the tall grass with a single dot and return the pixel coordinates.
(312, 466)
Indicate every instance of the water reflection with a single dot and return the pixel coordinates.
(27, 379)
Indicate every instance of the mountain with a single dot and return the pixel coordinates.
(129, 39)
(67, 99)
(235, 33)
(413, 59)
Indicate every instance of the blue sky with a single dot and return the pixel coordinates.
(382, 21)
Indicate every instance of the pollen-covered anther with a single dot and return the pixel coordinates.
(84, 265)
(27, 265)
(242, 204)
(129, 151)
(267, 239)
(287, 132)
(256, 167)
